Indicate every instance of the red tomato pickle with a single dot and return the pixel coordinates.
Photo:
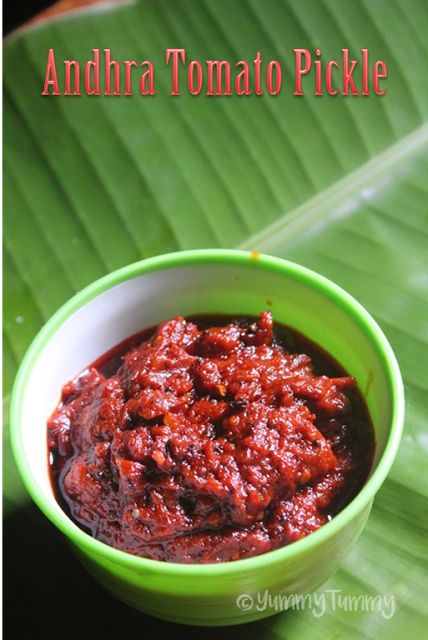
(208, 440)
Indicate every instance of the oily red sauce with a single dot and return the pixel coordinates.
(209, 440)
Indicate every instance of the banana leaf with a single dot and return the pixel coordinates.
(336, 183)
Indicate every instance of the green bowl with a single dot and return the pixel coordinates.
(207, 281)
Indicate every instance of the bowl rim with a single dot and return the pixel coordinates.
(188, 258)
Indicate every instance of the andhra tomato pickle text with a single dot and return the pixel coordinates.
(208, 440)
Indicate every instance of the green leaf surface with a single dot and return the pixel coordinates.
(336, 183)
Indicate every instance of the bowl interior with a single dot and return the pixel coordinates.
(314, 309)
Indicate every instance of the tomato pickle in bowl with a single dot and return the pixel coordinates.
(209, 439)
(228, 420)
